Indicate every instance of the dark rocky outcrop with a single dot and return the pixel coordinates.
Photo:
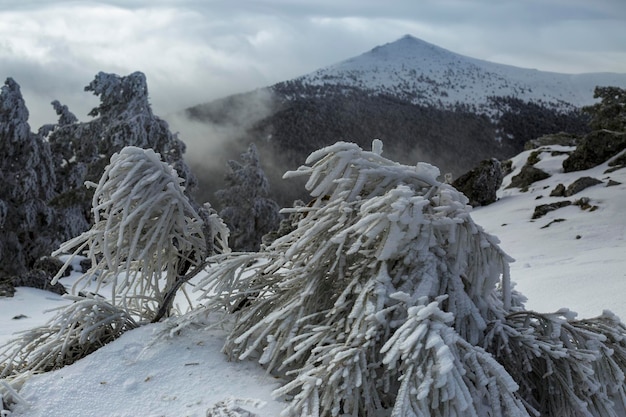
(544, 209)
(617, 163)
(528, 175)
(37, 278)
(481, 183)
(51, 266)
(580, 184)
(594, 149)
(559, 191)
(575, 187)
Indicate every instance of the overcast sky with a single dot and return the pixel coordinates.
(193, 51)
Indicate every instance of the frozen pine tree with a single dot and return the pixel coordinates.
(125, 118)
(27, 183)
(147, 241)
(246, 208)
(81, 150)
(146, 236)
(388, 300)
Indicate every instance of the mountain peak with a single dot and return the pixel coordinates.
(426, 74)
(409, 46)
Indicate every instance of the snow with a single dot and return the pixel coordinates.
(423, 73)
(577, 263)
(181, 376)
(149, 372)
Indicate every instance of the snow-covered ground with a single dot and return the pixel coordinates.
(151, 371)
(578, 262)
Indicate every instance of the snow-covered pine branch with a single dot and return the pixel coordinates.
(74, 332)
(145, 235)
(564, 366)
(378, 240)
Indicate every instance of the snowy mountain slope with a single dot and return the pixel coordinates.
(422, 73)
(186, 375)
(570, 257)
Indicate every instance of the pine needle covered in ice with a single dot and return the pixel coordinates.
(145, 232)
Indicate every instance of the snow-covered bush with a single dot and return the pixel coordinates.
(246, 208)
(146, 242)
(145, 237)
(388, 300)
(74, 332)
(563, 366)
(385, 276)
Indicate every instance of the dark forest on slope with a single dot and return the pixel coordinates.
(303, 118)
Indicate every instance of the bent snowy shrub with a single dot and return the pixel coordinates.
(74, 332)
(146, 234)
(378, 298)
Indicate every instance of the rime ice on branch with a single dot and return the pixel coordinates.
(144, 231)
(384, 261)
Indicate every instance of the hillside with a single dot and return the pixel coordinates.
(423, 73)
(424, 102)
(571, 257)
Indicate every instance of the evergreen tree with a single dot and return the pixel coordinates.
(124, 117)
(27, 183)
(247, 210)
(388, 300)
(610, 112)
(147, 241)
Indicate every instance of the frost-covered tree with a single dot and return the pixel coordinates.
(27, 182)
(246, 208)
(146, 243)
(124, 117)
(388, 300)
(146, 234)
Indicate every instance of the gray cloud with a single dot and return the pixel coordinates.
(193, 51)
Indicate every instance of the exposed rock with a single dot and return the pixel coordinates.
(51, 266)
(595, 148)
(562, 138)
(481, 183)
(552, 222)
(7, 289)
(85, 265)
(617, 163)
(38, 279)
(528, 175)
(559, 191)
(612, 183)
(544, 209)
(580, 184)
(585, 204)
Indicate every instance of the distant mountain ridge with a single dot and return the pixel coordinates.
(426, 74)
(426, 103)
